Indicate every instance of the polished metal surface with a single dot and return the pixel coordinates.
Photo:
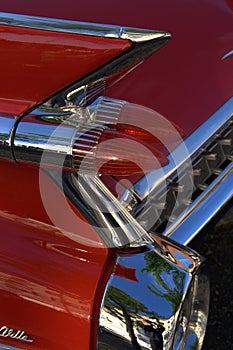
(227, 55)
(83, 28)
(7, 347)
(36, 137)
(67, 139)
(200, 179)
(84, 147)
(155, 300)
(103, 113)
(202, 213)
(106, 110)
(115, 225)
(6, 127)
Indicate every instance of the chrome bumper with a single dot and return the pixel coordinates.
(156, 299)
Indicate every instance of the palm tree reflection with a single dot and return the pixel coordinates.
(170, 289)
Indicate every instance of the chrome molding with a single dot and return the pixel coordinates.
(116, 226)
(203, 211)
(156, 299)
(83, 28)
(7, 347)
(84, 91)
(193, 143)
(6, 128)
(228, 54)
(198, 212)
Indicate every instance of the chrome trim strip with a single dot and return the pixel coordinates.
(6, 127)
(203, 210)
(122, 229)
(216, 195)
(7, 347)
(81, 93)
(86, 90)
(83, 28)
(193, 143)
(228, 54)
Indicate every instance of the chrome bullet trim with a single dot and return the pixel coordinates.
(34, 139)
(66, 140)
(84, 28)
(155, 299)
(227, 55)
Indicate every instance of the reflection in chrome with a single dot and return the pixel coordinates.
(25, 140)
(228, 54)
(36, 136)
(6, 127)
(115, 225)
(7, 347)
(65, 138)
(210, 148)
(155, 300)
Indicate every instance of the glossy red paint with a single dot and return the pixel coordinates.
(47, 280)
(35, 64)
(51, 286)
(187, 80)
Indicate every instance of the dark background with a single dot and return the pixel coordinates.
(216, 244)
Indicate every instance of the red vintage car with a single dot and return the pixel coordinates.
(115, 152)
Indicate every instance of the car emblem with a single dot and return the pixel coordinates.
(7, 332)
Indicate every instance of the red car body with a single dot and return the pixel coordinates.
(51, 286)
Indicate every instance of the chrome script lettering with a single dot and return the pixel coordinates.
(7, 332)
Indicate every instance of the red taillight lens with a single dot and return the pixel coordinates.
(124, 154)
(110, 137)
(129, 140)
(111, 152)
(148, 126)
